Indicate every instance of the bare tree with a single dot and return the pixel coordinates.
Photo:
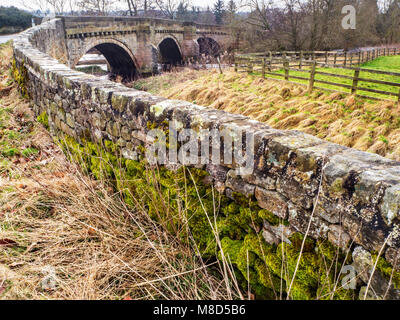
(388, 24)
(169, 7)
(294, 12)
(55, 6)
(136, 6)
(98, 7)
(264, 21)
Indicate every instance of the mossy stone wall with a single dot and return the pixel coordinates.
(346, 201)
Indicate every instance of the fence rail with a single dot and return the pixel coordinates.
(309, 68)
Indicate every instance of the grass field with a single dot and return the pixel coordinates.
(390, 64)
(366, 125)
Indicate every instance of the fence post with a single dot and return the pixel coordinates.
(398, 98)
(351, 60)
(312, 77)
(326, 57)
(286, 67)
(355, 80)
(236, 65)
(301, 60)
(359, 57)
(345, 58)
(335, 59)
(263, 68)
(250, 66)
(270, 61)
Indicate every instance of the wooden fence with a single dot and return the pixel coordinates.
(275, 60)
(289, 65)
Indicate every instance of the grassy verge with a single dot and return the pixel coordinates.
(372, 126)
(390, 64)
(95, 70)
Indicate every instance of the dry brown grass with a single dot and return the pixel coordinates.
(364, 125)
(64, 226)
(66, 236)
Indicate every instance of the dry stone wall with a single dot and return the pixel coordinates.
(328, 191)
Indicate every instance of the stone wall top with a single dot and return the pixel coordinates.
(70, 22)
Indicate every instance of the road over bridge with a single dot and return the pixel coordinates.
(137, 45)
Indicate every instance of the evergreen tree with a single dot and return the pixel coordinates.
(11, 17)
(219, 11)
(182, 11)
(232, 8)
(231, 12)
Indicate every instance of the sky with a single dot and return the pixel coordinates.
(19, 3)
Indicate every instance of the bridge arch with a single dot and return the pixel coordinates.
(120, 58)
(209, 46)
(170, 51)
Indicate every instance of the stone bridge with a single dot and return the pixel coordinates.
(137, 45)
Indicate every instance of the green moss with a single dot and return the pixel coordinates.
(10, 152)
(29, 152)
(186, 207)
(43, 119)
(386, 269)
(20, 75)
(269, 216)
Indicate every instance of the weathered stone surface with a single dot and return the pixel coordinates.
(380, 287)
(272, 202)
(363, 262)
(338, 236)
(393, 257)
(235, 183)
(391, 204)
(279, 233)
(219, 173)
(300, 220)
(270, 237)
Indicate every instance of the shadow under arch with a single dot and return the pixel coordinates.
(121, 62)
(170, 53)
(209, 46)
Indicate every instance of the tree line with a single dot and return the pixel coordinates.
(262, 24)
(13, 19)
(318, 24)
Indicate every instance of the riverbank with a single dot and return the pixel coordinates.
(7, 37)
